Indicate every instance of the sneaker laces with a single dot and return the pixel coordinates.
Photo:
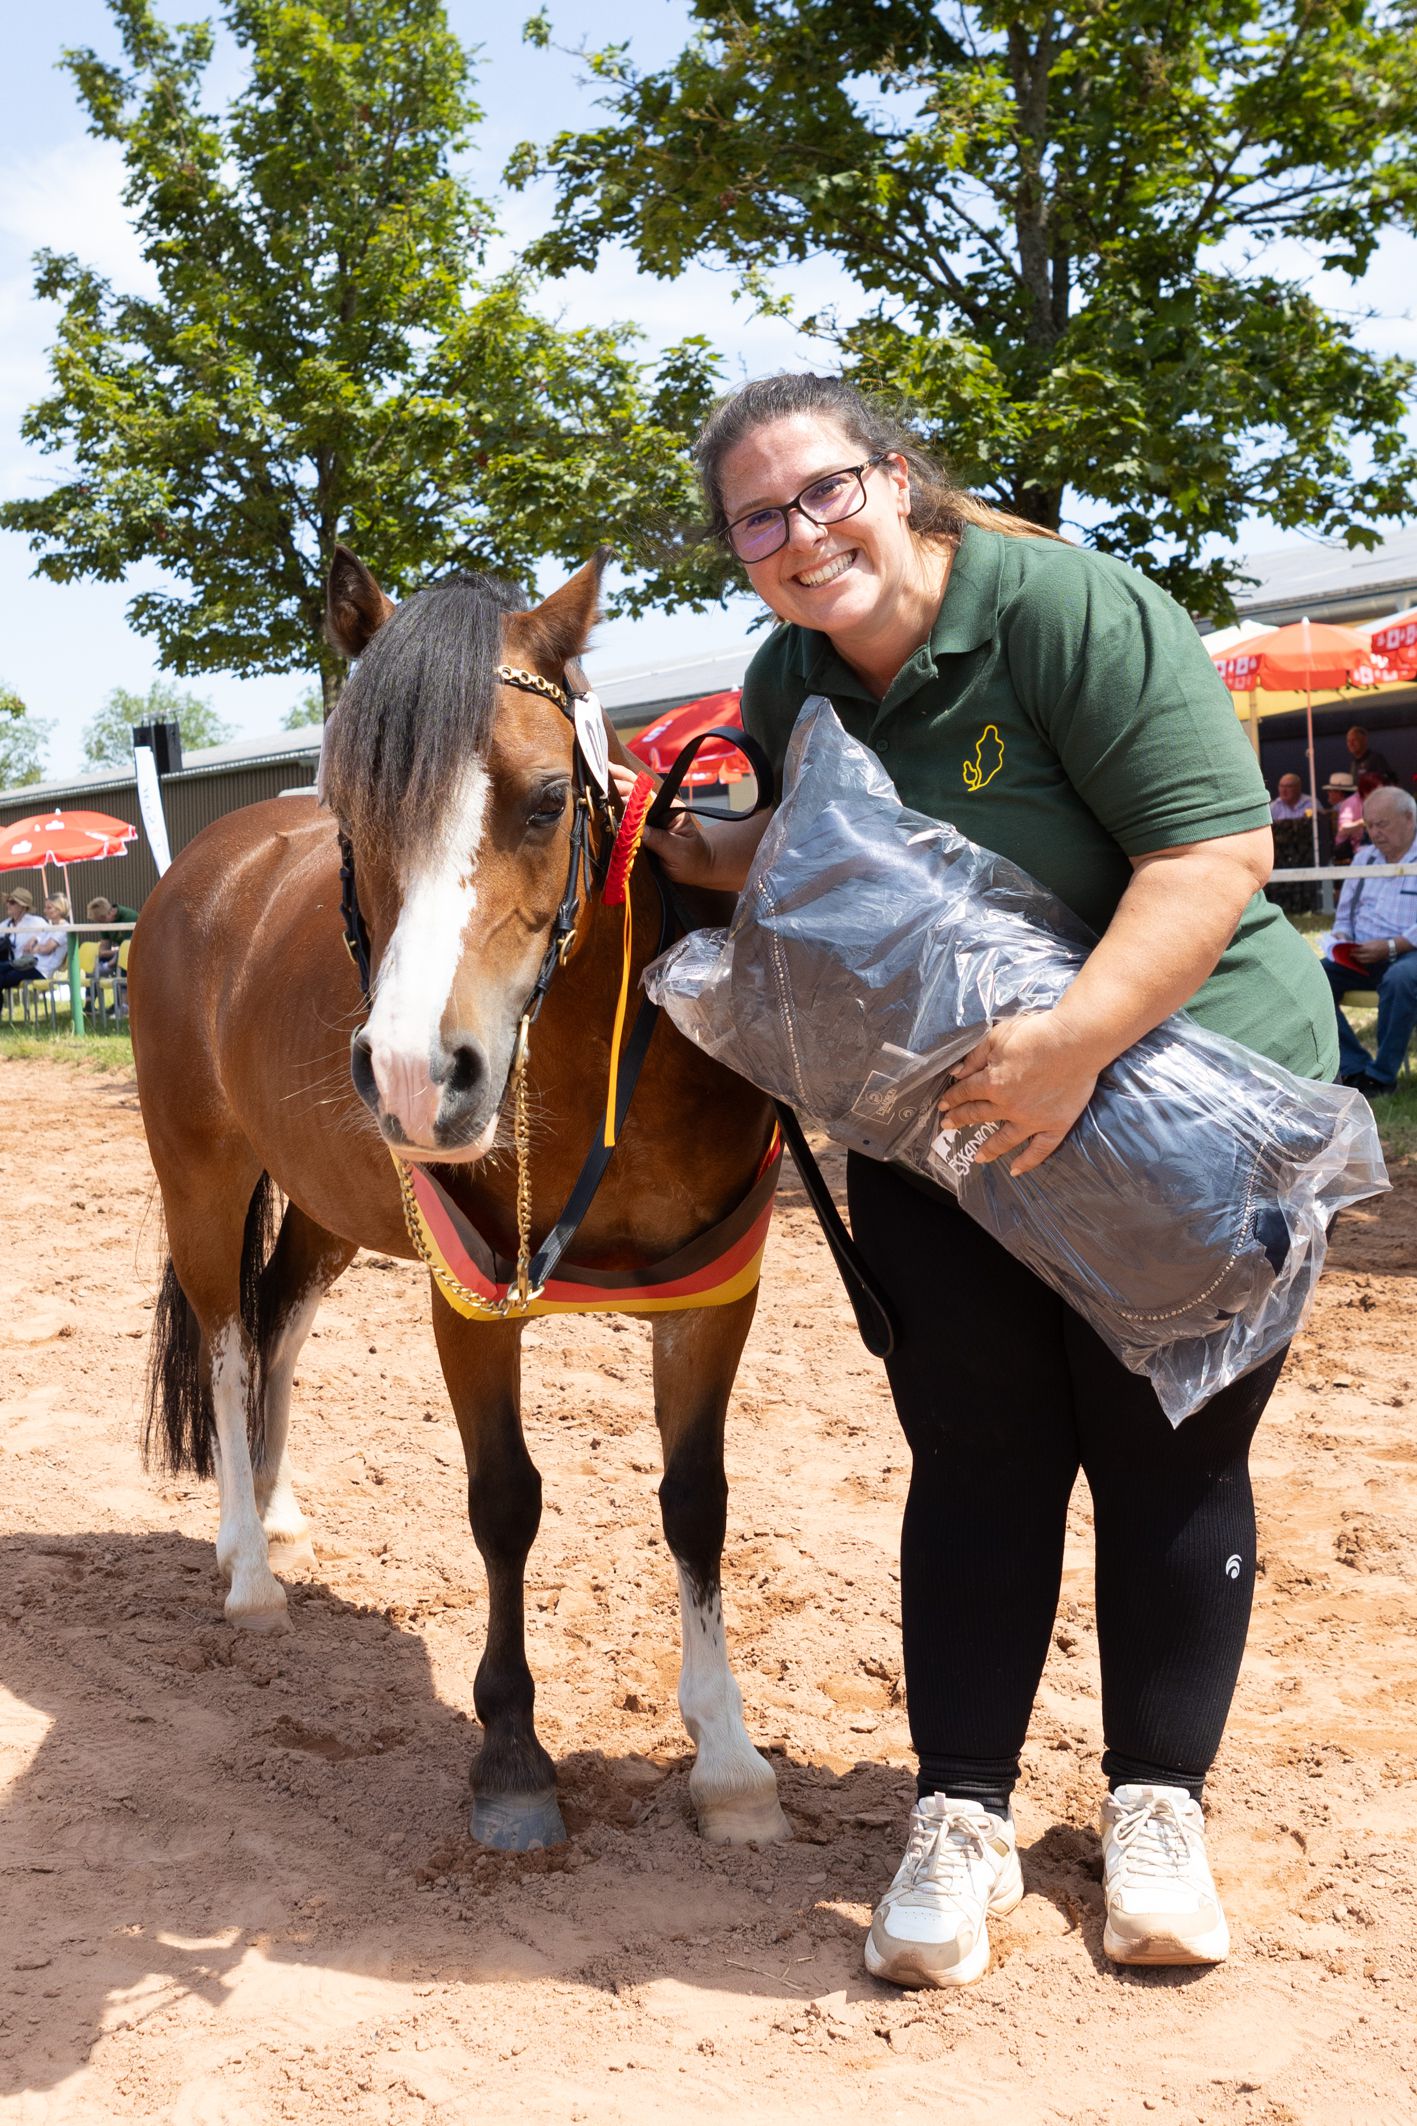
(941, 1850)
(1154, 1841)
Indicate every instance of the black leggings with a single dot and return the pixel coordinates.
(1003, 1392)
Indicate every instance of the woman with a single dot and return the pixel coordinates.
(52, 949)
(1061, 710)
(20, 932)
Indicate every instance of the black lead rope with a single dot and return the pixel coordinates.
(874, 1319)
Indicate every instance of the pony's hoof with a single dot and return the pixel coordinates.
(516, 1823)
(291, 1553)
(264, 1614)
(746, 1822)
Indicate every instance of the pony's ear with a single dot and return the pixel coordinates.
(355, 607)
(557, 630)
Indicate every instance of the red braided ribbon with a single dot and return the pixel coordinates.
(627, 841)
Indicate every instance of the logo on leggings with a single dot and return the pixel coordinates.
(1233, 1565)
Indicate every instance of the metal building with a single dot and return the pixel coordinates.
(214, 781)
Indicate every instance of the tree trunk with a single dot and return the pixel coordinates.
(1039, 505)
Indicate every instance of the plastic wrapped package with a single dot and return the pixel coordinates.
(1184, 1215)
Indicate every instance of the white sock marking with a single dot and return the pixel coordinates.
(275, 1492)
(727, 1768)
(241, 1541)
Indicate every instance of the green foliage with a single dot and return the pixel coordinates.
(1066, 217)
(319, 362)
(309, 709)
(22, 742)
(108, 737)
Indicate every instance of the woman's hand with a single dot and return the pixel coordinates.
(682, 847)
(1030, 1075)
(713, 854)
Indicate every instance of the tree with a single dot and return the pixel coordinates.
(1067, 219)
(309, 709)
(22, 742)
(319, 362)
(108, 738)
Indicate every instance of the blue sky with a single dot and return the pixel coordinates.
(63, 647)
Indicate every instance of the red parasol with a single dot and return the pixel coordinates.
(63, 838)
(68, 837)
(1307, 654)
(1396, 640)
(717, 762)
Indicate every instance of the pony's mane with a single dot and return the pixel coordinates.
(416, 708)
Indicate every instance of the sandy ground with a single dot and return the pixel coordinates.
(237, 1885)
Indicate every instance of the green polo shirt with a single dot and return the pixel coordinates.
(1064, 713)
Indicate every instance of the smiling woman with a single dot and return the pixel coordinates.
(1059, 710)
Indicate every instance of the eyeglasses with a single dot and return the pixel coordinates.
(828, 500)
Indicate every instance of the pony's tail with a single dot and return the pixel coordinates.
(180, 1431)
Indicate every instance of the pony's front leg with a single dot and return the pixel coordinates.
(733, 1788)
(304, 1265)
(513, 1781)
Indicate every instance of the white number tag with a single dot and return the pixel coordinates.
(589, 720)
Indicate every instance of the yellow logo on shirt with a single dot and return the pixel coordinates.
(987, 761)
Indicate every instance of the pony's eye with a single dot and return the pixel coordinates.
(549, 808)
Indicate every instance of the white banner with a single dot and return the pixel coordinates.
(150, 800)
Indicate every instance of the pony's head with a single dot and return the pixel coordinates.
(456, 793)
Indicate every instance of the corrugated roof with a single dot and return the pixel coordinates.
(647, 687)
(1328, 581)
(208, 760)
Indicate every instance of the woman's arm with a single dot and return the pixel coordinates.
(1035, 1074)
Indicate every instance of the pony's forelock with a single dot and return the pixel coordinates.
(416, 708)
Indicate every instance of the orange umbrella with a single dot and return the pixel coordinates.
(718, 762)
(70, 837)
(63, 838)
(1396, 640)
(1308, 654)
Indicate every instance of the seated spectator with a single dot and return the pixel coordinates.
(1373, 944)
(1345, 814)
(1365, 760)
(105, 911)
(20, 931)
(52, 950)
(1291, 803)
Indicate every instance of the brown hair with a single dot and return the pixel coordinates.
(938, 509)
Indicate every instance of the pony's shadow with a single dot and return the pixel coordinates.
(189, 1800)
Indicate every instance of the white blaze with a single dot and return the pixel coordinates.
(417, 971)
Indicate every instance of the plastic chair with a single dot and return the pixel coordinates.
(98, 989)
(120, 982)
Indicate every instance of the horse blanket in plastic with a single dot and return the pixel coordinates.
(1184, 1216)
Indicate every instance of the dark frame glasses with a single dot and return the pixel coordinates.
(770, 525)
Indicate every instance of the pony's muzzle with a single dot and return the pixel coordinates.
(436, 1100)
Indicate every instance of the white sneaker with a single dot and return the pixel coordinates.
(1161, 1900)
(931, 1927)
